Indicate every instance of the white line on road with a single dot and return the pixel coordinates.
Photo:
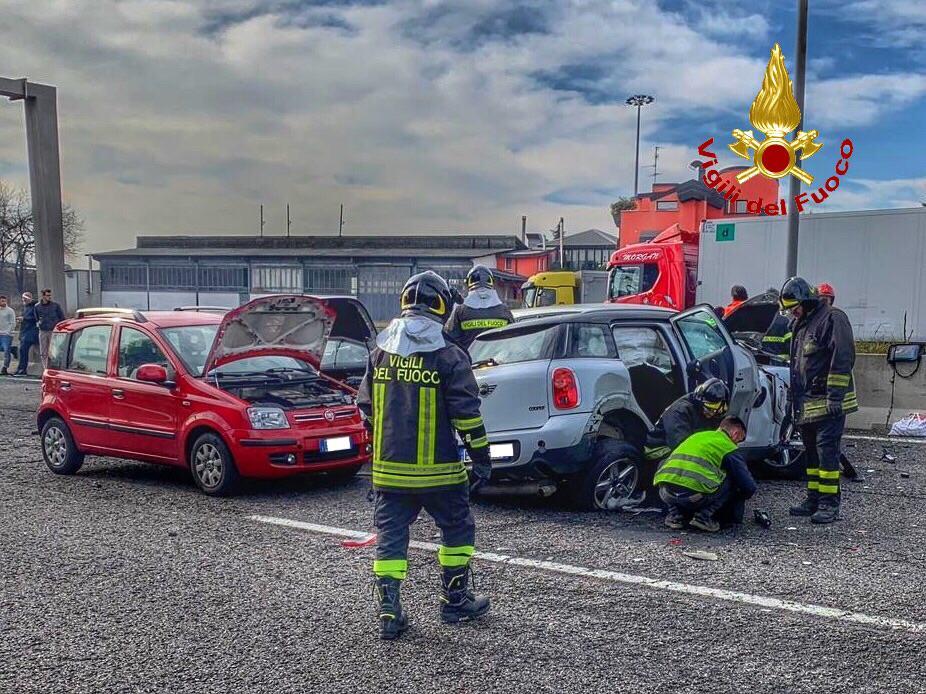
(632, 579)
(885, 439)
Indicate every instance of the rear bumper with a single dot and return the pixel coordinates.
(284, 452)
(562, 447)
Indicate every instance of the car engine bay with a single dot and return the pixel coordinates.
(293, 394)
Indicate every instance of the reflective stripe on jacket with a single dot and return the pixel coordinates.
(822, 357)
(777, 339)
(697, 464)
(467, 323)
(417, 404)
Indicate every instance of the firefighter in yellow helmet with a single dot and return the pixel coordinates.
(419, 392)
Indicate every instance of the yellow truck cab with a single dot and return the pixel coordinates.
(550, 288)
(564, 287)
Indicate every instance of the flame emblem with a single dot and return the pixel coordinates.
(775, 112)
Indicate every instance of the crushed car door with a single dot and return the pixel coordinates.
(713, 353)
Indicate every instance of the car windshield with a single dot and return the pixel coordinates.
(627, 280)
(191, 343)
(265, 364)
(511, 349)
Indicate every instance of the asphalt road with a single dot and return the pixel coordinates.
(124, 578)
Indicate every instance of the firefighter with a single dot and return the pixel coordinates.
(705, 477)
(481, 310)
(822, 391)
(827, 293)
(698, 411)
(417, 394)
(777, 339)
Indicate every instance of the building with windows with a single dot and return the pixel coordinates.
(688, 204)
(588, 250)
(163, 272)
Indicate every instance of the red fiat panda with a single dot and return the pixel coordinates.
(239, 395)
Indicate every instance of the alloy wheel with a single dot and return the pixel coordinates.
(209, 465)
(615, 484)
(56, 446)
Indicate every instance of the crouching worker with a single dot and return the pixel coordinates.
(418, 393)
(706, 479)
(698, 411)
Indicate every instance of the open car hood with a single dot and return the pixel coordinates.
(290, 325)
(754, 315)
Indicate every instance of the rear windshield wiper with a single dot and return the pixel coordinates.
(485, 362)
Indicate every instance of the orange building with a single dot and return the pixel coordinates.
(688, 204)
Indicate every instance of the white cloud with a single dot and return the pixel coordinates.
(419, 115)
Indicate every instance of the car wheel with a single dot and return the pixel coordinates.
(787, 462)
(212, 466)
(58, 448)
(611, 480)
(343, 475)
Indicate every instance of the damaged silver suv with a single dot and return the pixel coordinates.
(569, 393)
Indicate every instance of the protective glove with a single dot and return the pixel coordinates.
(479, 474)
(834, 408)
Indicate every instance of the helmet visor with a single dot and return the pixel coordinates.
(714, 409)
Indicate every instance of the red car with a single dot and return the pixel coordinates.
(239, 395)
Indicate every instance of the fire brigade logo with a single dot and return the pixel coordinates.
(775, 112)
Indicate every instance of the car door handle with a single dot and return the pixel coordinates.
(65, 385)
(118, 393)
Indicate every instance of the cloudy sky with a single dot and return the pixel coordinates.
(437, 116)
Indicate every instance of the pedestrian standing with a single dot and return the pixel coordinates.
(419, 393)
(738, 295)
(28, 333)
(822, 392)
(7, 325)
(48, 314)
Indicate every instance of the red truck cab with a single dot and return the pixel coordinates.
(662, 272)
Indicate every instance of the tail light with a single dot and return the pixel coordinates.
(565, 389)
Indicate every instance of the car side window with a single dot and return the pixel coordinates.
(135, 349)
(89, 351)
(57, 350)
(638, 345)
(702, 334)
(587, 340)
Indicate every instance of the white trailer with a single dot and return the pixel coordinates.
(875, 260)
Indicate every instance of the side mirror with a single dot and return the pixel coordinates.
(152, 373)
(904, 353)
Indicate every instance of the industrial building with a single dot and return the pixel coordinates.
(163, 272)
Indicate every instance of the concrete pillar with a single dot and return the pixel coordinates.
(41, 111)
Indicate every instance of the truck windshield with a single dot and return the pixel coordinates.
(627, 280)
(530, 294)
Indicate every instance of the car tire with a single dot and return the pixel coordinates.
(787, 461)
(615, 475)
(58, 448)
(212, 466)
(343, 475)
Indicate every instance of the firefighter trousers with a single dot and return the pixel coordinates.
(395, 513)
(821, 445)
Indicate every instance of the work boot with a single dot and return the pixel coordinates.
(827, 512)
(458, 602)
(808, 506)
(392, 619)
(674, 519)
(705, 523)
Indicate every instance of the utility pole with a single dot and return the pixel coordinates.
(638, 100)
(288, 220)
(562, 234)
(341, 221)
(262, 221)
(655, 162)
(795, 184)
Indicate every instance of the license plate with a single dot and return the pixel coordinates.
(497, 451)
(339, 443)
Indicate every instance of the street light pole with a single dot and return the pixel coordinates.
(638, 100)
(795, 184)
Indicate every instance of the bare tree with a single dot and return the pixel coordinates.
(17, 232)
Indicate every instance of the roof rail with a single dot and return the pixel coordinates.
(136, 315)
(203, 309)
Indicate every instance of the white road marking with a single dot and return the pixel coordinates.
(632, 579)
(885, 439)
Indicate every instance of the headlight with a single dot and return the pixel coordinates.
(267, 418)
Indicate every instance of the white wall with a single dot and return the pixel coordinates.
(120, 299)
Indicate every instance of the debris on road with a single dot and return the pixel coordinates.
(888, 457)
(762, 518)
(356, 544)
(905, 475)
(700, 554)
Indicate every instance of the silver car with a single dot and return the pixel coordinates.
(569, 394)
